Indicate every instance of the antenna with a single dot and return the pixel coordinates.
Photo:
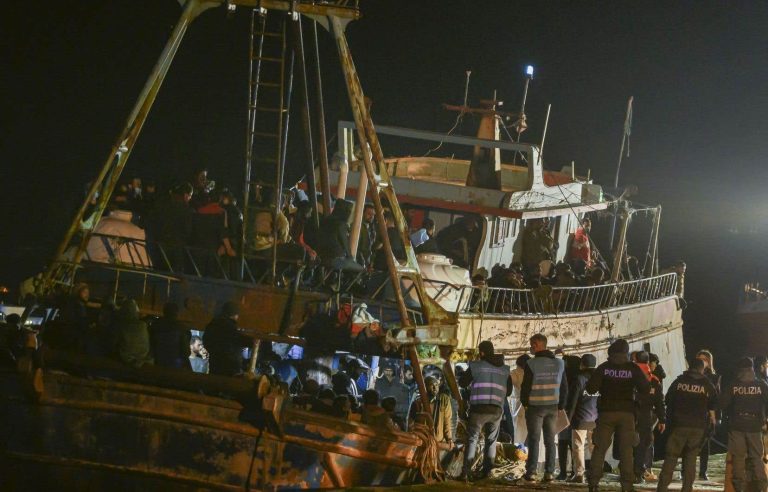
(544, 134)
(624, 142)
(521, 126)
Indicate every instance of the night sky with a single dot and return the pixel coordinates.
(697, 70)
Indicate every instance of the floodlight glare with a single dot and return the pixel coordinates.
(529, 70)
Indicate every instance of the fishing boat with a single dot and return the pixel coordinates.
(88, 423)
(83, 423)
(645, 310)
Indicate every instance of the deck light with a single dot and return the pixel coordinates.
(529, 71)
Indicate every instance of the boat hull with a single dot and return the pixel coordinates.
(82, 434)
(654, 325)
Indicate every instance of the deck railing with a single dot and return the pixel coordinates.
(562, 300)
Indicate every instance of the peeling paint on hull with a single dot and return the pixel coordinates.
(99, 435)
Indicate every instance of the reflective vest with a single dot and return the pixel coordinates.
(489, 383)
(547, 375)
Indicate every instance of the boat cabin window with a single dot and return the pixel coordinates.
(502, 230)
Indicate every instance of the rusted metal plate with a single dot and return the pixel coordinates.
(200, 298)
(95, 435)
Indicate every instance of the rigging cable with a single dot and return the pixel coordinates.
(458, 118)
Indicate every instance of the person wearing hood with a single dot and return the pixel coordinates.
(656, 368)
(132, 336)
(691, 403)
(714, 378)
(333, 244)
(744, 401)
(617, 380)
(389, 385)
(490, 384)
(582, 412)
(170, 339)
(225, 342)
(543, 393)
(650, 413)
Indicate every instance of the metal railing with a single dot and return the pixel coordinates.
(561, 300)
(143, 255)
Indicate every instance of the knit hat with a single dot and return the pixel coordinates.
(620, 346)
(229, 309)
(744, 362)
(589, 360)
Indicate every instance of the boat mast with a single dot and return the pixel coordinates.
(624, 140)
(60, 271)
(381, 184)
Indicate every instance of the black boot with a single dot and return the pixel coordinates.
(562, 456)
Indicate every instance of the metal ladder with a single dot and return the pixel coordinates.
(268, 112)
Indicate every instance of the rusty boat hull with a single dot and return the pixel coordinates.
(76, 433)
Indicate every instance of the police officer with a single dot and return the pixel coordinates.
(490, 384)
(691, 404)
(543, 393)
(744, 402)
(617, 380)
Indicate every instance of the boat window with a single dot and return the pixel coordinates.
(500, 231)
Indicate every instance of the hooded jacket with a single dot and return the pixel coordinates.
(689, 400)
(559, 392)
(399, 391)
(133, 336)
(744, 401)
(617, 380)
(333, 238)
(582, 406)
(225, 343)
(652, 402)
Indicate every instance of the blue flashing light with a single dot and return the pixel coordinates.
(529, 70)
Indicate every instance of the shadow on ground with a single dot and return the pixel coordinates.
(610, 482)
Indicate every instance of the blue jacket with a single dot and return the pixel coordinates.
(582, 406)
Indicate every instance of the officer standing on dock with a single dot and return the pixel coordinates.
(691, 404)
(617, 380)
(491, 384)
(543, 393)
(744, 402)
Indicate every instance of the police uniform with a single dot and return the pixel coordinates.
(744, 403)
(617, 381)
(490, 386)
(689, 399)
(543, 391)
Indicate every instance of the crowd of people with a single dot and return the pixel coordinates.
(621, 402)
(195, 225)
(553, 402)
(198, 217)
